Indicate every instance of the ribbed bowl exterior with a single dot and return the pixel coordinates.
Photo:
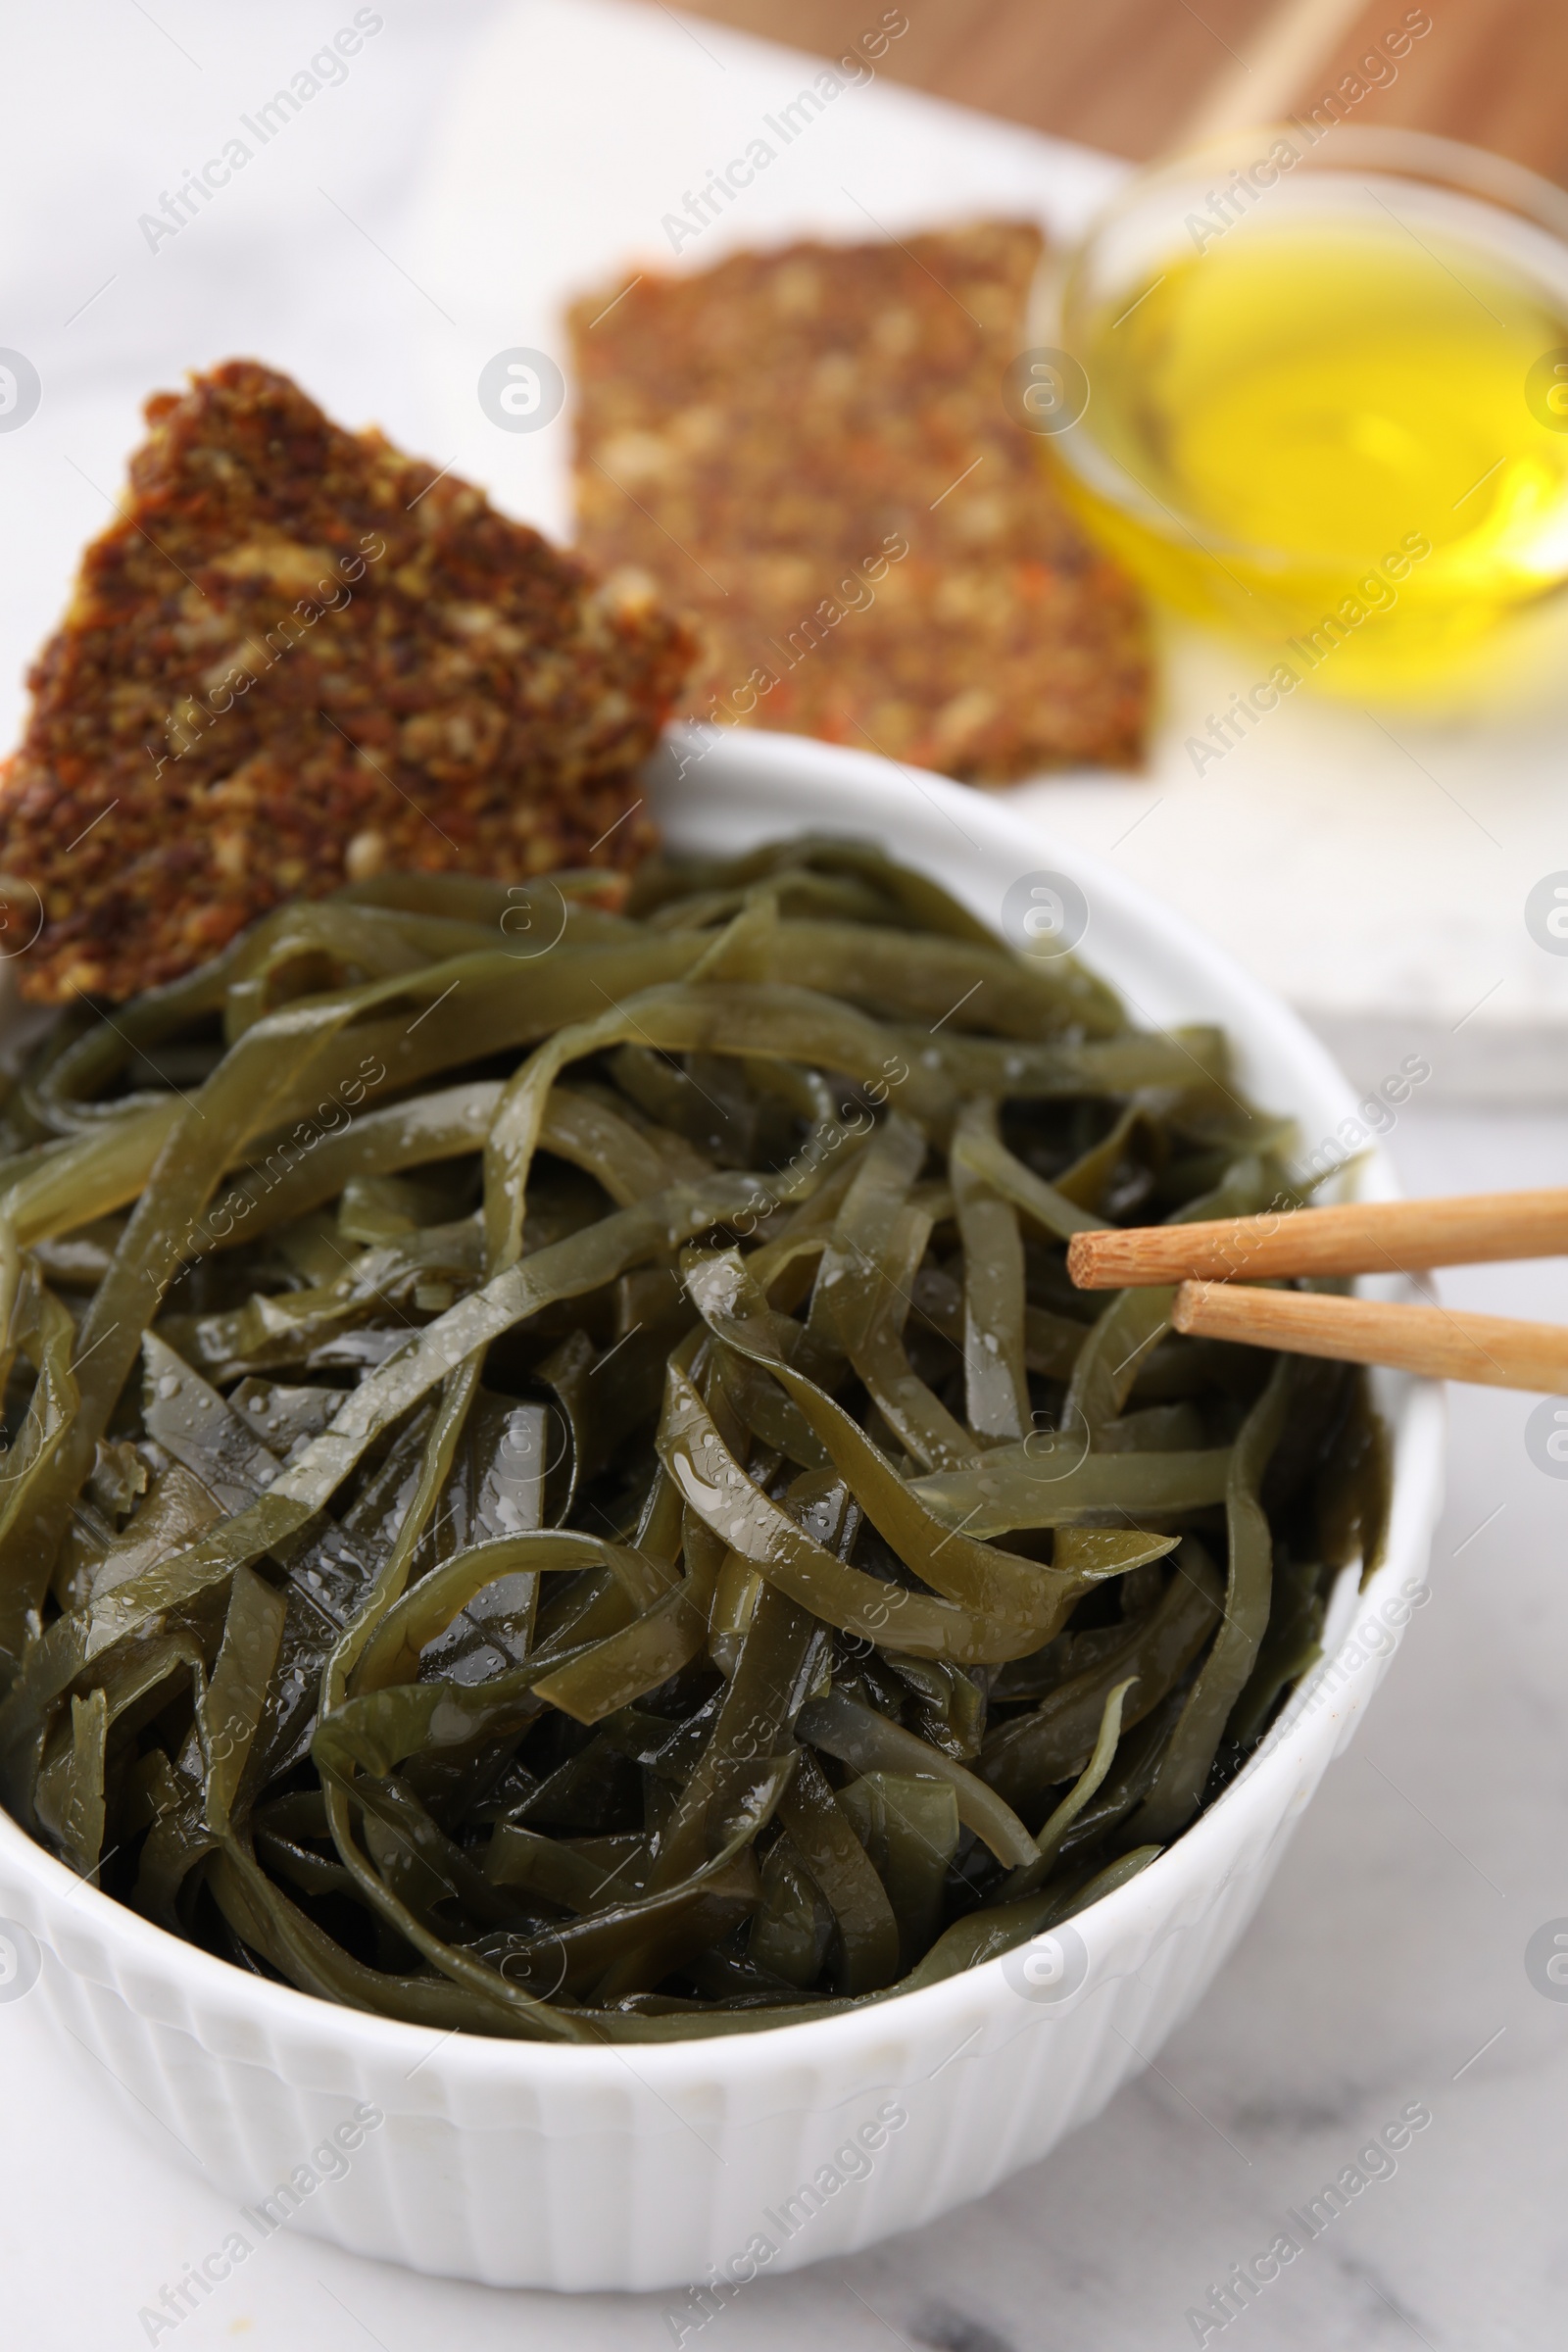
(693, 2166)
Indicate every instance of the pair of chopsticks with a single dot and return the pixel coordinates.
(1216, 1263)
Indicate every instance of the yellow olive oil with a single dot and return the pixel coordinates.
(1348, 432)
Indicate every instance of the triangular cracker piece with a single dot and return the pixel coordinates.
(299, 658)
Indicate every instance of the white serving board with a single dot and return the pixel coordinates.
(1373, 870)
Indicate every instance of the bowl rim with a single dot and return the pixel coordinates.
(860, 793)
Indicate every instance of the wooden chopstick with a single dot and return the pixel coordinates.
(1492, 1349)
(1362, 1237)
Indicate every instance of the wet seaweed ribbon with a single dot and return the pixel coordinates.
(570, 1497)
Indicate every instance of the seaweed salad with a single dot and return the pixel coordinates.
(556, 1484)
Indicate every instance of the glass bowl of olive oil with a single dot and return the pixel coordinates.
(1315, 386)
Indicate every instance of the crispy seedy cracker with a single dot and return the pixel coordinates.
(808, 452)
(301, 657)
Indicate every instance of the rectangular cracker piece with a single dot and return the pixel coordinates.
(810, 452)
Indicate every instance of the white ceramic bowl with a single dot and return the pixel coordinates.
(656, 2166)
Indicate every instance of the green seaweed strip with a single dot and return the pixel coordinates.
(1176, 1793)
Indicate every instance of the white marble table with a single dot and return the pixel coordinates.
(1386, 1968)
(1387, 1965)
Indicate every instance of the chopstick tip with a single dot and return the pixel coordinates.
(1188, 1304)
(1085, 1256)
